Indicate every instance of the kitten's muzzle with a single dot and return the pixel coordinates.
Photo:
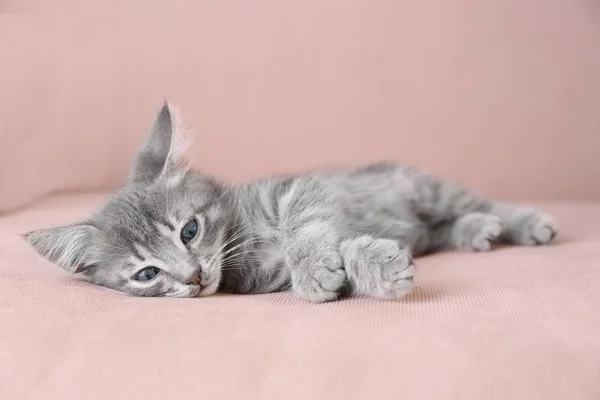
(195, 280)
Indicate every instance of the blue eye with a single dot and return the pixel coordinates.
(189, 231)
(147, 274)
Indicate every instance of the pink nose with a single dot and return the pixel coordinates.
(196, 279)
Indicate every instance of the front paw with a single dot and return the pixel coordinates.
(319, 279)
(379, 268)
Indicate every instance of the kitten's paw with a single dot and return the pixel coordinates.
(477, 232)
(319, 279)
(378, 268)
(536, 228)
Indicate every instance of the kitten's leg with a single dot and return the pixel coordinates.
(524, 225)
(478, 231)
(316, 266)
(439, 201)
(472, 231)
(379, 268)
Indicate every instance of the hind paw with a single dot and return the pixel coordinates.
(477, 231)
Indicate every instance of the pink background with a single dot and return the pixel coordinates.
(503, 96)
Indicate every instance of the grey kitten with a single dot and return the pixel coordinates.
(176, 232)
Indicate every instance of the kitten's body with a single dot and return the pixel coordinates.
(383, 201)
(318, 233)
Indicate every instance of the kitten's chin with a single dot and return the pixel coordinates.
(209, 289)
(186, 291)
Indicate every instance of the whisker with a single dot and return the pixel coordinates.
(231, 257)
(243, 229)
(224, 254)
(233, 269)
(250, 241)
(235, 236)
(236, 258)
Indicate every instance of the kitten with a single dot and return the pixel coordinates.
(175, 232)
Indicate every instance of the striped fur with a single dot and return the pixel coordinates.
(321, 234)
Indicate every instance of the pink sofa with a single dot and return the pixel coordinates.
(502, 96)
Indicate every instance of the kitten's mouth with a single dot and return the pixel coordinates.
(208, 287)
(196, 280)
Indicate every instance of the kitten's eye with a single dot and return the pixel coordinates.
(147, 274)
(189, 231)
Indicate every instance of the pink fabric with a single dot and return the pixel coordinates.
(516, 323)
(502, 96)
(509, 87)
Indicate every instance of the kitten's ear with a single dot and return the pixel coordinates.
(161, 153)
(70, 247)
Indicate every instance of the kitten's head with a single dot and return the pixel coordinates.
(161, 235)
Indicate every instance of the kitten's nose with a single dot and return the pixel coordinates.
(196, 279)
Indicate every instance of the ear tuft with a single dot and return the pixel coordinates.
(70, 247)
(162, 154)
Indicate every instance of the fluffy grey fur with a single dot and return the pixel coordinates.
(321, 234)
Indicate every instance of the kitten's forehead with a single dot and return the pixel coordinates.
(132, 207)
(135, 210)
